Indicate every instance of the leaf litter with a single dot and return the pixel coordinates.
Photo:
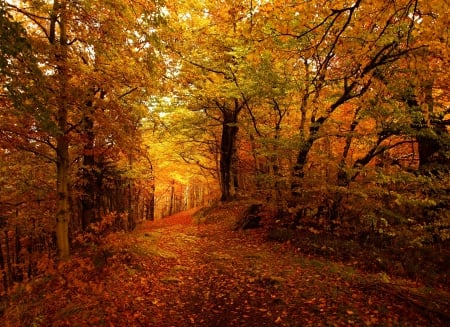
(175, 273)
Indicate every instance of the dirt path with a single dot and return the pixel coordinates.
(211, 276)
(175, 273)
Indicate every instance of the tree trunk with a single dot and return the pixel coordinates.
(62, 203)
(172, 198)
(88, 176)
(151, 202)
(428, 150)
(298, 171)
(343, 178)
(130, 189)
(62, 143)
(91, 180)
(3, 269)
(227, 151)
(8, 265)
(430, 146)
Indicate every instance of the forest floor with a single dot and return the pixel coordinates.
(174, 272)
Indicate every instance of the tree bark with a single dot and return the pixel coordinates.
(298, 170)
(172, 198)
(431, 150)
(91, 181)
(227, 152)
(88, 175)
(62, 143)
(151, 201)
(429, 136)
(131, 224)
(3, 268)
(62, 203)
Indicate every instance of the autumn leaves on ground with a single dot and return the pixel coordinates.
(185, 271)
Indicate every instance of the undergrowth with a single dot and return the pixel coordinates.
(372, 252)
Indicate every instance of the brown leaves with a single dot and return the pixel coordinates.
(217, 277)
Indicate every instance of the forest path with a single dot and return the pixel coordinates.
(173, 272)
(208, 275)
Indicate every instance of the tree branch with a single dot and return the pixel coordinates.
(33, 17)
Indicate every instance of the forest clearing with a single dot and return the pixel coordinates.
(179, 272)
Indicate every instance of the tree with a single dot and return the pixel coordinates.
(217, 48)
(345, 75)
(80, 89)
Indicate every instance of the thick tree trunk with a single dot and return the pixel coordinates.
(431, 147)
(428, 148)
(298, 170)
(227, 152)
